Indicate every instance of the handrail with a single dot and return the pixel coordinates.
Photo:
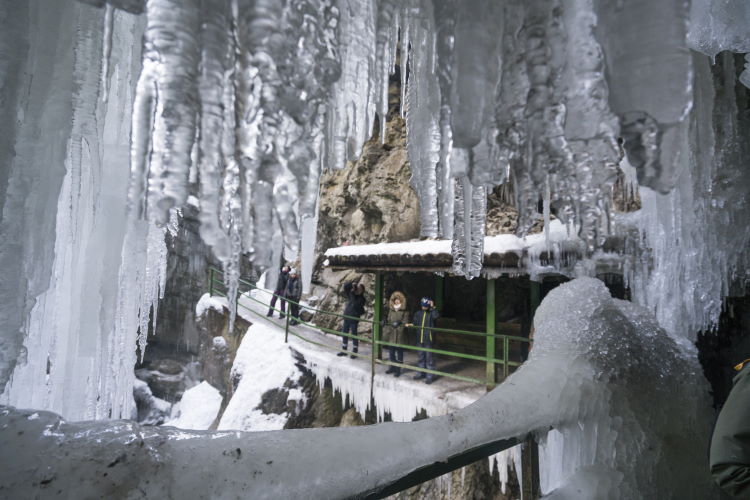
(376, 343)
(310, 308)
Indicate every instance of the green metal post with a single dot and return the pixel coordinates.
(506, 355)
(439, 292)
(286, 326)
(530, 450)
(378, 312)
(490, 348)
(210, 281)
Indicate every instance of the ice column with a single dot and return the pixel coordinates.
(649, 73)
(422, 119)
(73, 353)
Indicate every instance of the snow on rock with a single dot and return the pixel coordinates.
(197, 409)
(207, 302)
(263, 362)
(150, 409)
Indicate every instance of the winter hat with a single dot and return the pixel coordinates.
(425, 302)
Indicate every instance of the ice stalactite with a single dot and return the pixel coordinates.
(649, 75)
(695, 239)
(350, 117)
(718, 26)
(422, 120)
(164, 119)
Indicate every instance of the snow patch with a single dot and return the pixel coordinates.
(197, 409)
(207, 302)
(263, 362)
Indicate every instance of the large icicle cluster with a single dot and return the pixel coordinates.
(67, 242)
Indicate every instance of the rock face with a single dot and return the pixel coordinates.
(371, 199)
(187, 279)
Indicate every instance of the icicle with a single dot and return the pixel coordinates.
(546, 210)
(422, 127)
(650, 90)
(164, 121)
(109, 19)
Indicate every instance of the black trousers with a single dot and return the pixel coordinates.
(278, 295)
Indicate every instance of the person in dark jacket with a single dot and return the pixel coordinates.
(293, 292)
(730, 444)
(394, 330)
(423, 322)
(355, 307)
(278, 293)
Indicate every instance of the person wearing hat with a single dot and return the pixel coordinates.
(394, 330)
(293, 292)
(278, 293)
(355, 307)
(730, 445)
(424, 320)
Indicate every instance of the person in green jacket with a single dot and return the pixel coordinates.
(730, 444)
(394, 330)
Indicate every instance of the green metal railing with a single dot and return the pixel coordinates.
(218, 287)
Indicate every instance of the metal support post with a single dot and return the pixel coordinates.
(439, 292)
(378, 312)
(530, 467)
(490, 347)
(286, 325)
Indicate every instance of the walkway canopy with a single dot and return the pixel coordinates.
(505, 254)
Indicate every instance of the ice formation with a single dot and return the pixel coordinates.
(632, 407)
(248, 100)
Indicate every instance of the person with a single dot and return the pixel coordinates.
(730, 445)
(278, 292)
(424, 320)
(293, 293)
(394, 330)
(355, 307)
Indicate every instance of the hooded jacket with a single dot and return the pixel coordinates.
(423, 322)
(293, 288)
(730, 444)
(394, 330)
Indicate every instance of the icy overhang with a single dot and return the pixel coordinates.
(554, 253)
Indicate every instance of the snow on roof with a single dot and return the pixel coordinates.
(493, 245)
